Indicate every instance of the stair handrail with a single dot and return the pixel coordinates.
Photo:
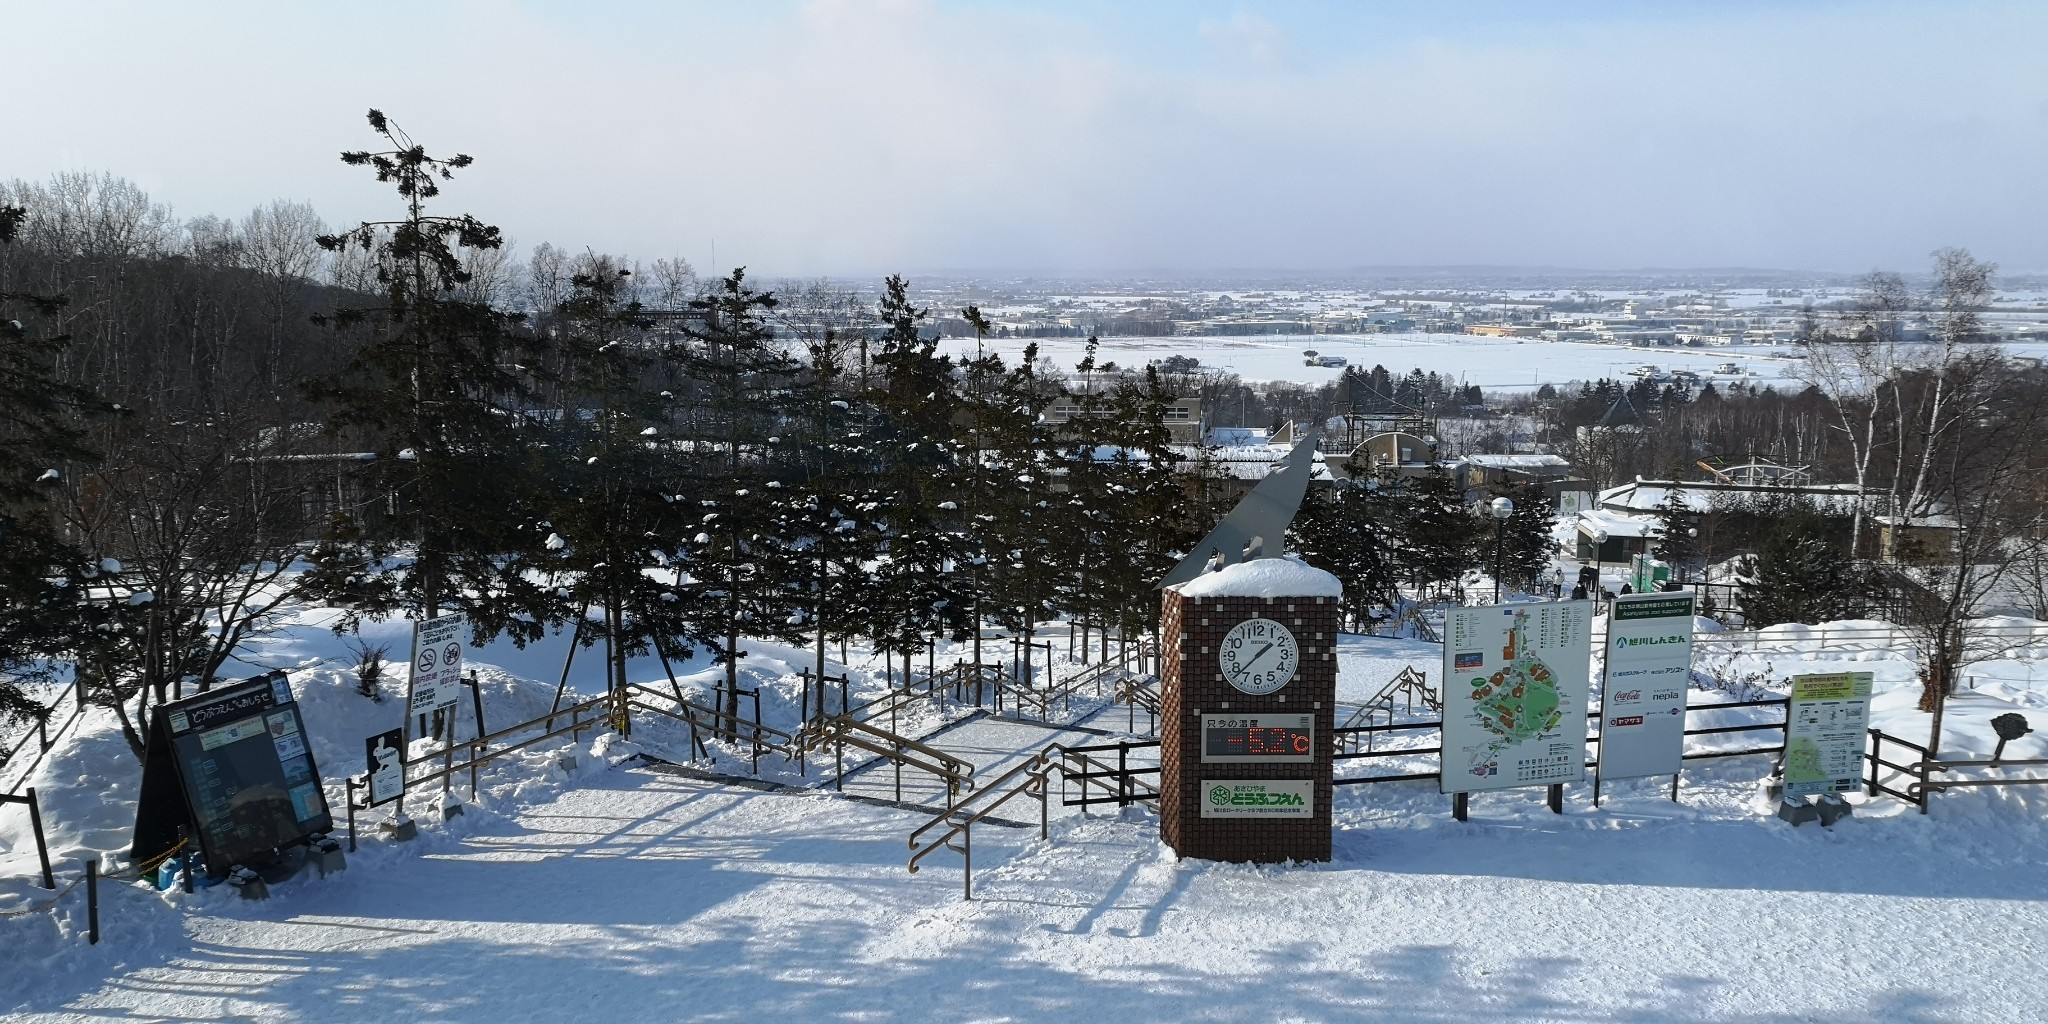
(957, 772)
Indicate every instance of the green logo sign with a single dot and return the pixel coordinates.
(1219, 795)
(1642, 641)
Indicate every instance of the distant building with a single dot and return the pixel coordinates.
(1183, 416)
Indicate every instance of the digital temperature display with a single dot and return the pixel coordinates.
(1269, 739)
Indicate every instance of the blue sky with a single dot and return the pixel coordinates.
(867, 136)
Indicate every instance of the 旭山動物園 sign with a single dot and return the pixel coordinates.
(1258, 798)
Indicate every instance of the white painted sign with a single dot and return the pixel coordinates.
(385, 758)
(1258, 798)
(1643, 684)
(437, 662)
(1515, 683)
(1826, 728)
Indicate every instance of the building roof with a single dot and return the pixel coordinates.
(1244, 462)
(1521, 462)
(1619, 524)
(1705, 495)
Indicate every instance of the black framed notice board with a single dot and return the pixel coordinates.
(232, 766)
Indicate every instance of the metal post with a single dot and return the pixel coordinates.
(1123, 775)
(351, 801)
(1557, 798)
(92, 901)
(185, 861)
(967, 856)
(1674, 787)
(35, 820)
(1458, 806)
(1500, 530)
(476, 697)
(1876, 755)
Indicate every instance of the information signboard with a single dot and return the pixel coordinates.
(1643, 684)
(437, 662)
(1826, 728)
(1268, 739)
(1515, 686)
(384, 753)
(231, 765)
(1258, 798)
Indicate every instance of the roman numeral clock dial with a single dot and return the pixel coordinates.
(1259, 656)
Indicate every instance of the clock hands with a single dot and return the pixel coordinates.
(1247, 666)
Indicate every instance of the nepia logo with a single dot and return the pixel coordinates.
(1641, 641)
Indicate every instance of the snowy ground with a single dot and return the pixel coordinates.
(1494, 363)
(626, 893)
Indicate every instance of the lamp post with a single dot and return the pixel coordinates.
(1599, 564)
(1501, 509)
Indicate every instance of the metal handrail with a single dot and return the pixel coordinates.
(1143, 792)
(1033, 785)
(475, 747)
(955, 771)
(960, 818)
(782, 741)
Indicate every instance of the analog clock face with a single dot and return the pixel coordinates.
(1259, 656)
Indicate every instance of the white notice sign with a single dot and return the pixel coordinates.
(1642, 692)
(1515, 681)
(437, 662)
(1826, 727)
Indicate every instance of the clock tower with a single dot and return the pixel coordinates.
(1248, 686)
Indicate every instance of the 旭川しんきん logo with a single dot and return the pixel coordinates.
(1644, 641)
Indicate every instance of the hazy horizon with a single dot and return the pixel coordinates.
(852, 138)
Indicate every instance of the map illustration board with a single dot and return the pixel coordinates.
(1515, 682)
(1826, 729)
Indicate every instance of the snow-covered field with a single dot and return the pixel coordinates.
(1502, 363)
(622, 893)
(1508, 364)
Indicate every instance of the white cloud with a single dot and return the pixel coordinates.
(1248, 38)
(874, 135)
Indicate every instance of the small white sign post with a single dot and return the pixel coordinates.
(436, 665)
(1644, 680)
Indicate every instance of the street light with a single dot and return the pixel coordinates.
(1501, 509)
(1599, 565)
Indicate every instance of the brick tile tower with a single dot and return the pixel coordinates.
(1249, 687)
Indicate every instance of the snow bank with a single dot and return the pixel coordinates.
(1264, 577)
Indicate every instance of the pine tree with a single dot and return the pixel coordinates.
(1347, 530)
(439, 389)
(1439, 534)
(43, 449)
(612, 514)
(1800, 576)
(739, 381)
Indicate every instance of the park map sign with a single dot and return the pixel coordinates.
(1515, 681)
(232, 769)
